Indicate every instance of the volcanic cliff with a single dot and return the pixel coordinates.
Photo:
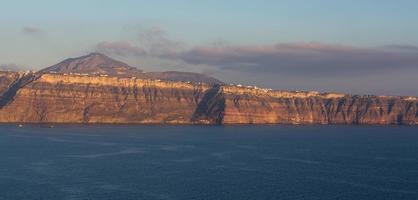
(112, 92)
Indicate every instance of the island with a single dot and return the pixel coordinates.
(96, 89)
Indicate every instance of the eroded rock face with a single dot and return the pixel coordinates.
(59, 98)
(94, 99)
(250, 109)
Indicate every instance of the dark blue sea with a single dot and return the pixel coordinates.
(208, 162)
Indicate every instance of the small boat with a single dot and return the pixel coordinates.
(20, 125)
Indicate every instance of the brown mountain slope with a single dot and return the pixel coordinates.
(94, 63)
(97, 63)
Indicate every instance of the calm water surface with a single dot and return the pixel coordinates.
(201, 162)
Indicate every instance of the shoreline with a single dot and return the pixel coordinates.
(54, 125)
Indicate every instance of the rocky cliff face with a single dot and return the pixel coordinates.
(93, 99)
(59, 98)
(252, 106)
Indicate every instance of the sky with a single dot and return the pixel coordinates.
(351, 46)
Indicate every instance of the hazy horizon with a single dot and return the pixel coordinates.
(358, 47)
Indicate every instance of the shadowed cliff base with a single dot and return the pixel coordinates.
(211, 108)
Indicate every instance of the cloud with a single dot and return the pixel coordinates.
(30, 30)
(385, 70)
(401, 47)
(296, 59)
(152, 42)
(12, 67)
(33, 32)
(120, 48)
(156, 41)
(314, 59)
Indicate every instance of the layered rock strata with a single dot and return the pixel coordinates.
(59, 98)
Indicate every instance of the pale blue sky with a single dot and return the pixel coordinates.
(358, 22)
(39, 33)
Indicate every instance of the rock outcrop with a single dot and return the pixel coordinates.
(75, 98)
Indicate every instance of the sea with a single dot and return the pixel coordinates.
(208, 162)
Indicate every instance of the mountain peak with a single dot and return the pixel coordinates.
(96, 54)
(98, 63)
(93, 63)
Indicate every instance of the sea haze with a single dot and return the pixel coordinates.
(209, 162)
